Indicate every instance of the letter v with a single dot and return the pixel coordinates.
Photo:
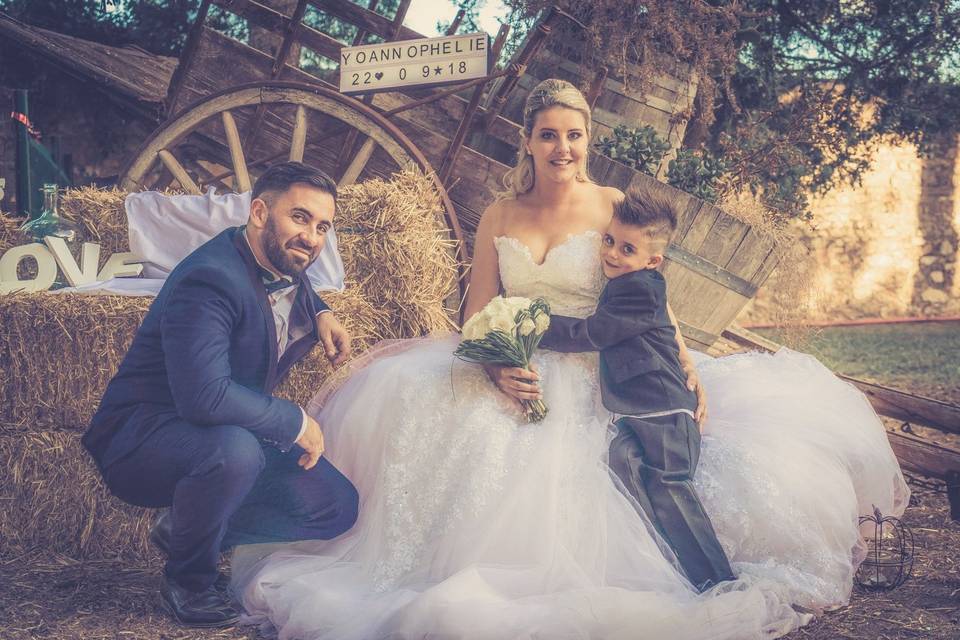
(75, 274)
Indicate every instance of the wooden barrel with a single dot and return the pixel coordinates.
(715, 264)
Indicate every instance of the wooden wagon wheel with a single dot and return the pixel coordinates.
(201, 145)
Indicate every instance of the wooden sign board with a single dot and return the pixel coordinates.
(414, 63)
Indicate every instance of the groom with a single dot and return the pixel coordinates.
(190, 421)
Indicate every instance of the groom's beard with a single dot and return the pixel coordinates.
(278, 254)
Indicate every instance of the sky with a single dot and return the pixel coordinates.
(422, 16)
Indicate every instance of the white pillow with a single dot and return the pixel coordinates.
(163, 230)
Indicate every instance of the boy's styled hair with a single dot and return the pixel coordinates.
(654, 212)
(280, 177)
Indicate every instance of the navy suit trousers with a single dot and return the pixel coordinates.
(225, 489)
(656, 458)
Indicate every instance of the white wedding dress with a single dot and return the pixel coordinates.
(475, 524)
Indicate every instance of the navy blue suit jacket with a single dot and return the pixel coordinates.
(639, 357)
(206, 353)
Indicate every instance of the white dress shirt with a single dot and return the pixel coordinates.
(281, 303)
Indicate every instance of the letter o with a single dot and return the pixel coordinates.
(46, 269)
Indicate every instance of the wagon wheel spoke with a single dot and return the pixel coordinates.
(298, 141)
(358, 163)
(173, 166)
(205, 177)
(210, 122)
(236, 153)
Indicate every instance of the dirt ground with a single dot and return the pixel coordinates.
(61, 599)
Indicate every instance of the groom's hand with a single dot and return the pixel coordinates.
(335, 339)
(312, 442)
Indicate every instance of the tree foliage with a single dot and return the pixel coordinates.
(818, 83)
(794, 95)
(158, 26)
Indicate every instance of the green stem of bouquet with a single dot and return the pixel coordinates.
(499, 348)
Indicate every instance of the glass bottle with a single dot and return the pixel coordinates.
(50, 223)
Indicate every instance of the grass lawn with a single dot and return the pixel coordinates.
(920, 357)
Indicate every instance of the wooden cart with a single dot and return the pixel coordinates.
(230, 109)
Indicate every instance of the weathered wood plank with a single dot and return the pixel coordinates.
(922, 456)
(754, 250)
(692, 238)
(770, 263)
(744, 337)
(236, 152)
(724, 239)
(908, 407)
(137, 77)
(273, 20)
(298, 138)
(358, 162)
(618, 175)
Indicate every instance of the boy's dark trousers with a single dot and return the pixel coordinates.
(655, 458)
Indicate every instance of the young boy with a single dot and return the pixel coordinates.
(657, 447)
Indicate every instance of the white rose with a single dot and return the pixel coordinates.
(542, 322)
(496, 306)
(517, 304)
(502, 323)
(527, 327)
(476, 327)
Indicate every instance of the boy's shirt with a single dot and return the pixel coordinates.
(639, 357)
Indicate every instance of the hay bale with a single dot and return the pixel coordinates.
(100, 212)
(60, 351)
(398, 252)
(54, 499)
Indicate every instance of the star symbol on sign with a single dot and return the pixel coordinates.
(437, 70)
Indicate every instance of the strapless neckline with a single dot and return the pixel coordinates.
(546, 257)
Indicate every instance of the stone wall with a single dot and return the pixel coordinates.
(937, 222)
(885, 248)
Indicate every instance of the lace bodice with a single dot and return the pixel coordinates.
(569, 279)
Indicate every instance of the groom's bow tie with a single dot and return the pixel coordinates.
(273, 284)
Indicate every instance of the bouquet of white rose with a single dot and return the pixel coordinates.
(507, 331)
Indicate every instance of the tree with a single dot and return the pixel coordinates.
(818, 83)
(158, 26)
(794, 94)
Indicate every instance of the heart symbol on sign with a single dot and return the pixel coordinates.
(378, 75)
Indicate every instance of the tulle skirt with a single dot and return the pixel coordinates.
(476, 524)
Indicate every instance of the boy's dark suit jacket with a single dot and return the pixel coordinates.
(206, 353)
(639, 364)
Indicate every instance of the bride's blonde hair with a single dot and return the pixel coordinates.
(549, 93)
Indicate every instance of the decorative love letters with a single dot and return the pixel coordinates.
(54, 253)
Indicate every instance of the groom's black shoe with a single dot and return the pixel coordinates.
(206, 609)
(162, 531)
(160, 534)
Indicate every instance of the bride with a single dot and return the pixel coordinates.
(475, 524)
